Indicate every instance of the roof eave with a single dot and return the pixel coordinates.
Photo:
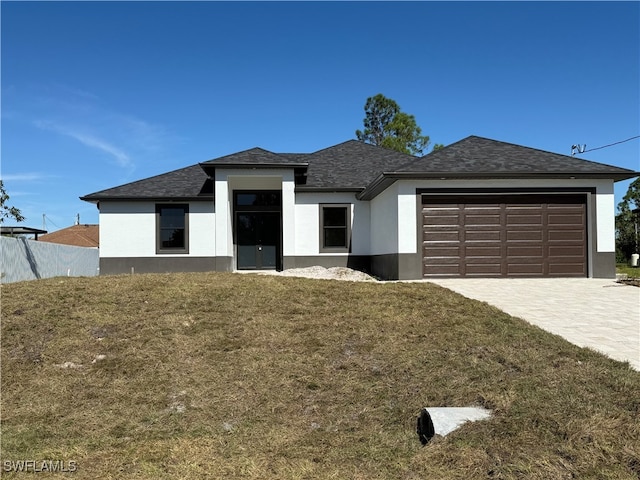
(385, 179)
(304, 188)
(200, 198)
(210, 168)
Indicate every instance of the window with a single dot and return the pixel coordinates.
(172, 224)
(270, 199)
(335, 228)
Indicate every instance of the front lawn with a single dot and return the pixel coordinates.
(241, 376)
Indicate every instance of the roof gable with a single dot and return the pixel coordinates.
(253, 156)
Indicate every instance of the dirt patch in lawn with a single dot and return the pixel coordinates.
(331, 273)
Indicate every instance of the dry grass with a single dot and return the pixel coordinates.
(240, 376)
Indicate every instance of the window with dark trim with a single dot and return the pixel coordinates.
(172, 228)
(335, 228)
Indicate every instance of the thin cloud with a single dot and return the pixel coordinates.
(23, 177)
(77, 92)
(89, 140)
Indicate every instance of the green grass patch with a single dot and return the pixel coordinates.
(242, 376)
(631, 272)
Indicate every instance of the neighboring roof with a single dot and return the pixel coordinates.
(368, 169)
(78, 235)
(21, 231)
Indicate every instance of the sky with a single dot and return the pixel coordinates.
(98, 94)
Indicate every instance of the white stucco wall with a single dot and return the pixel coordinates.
(128, 229)
(384, 221)
(606, 212)
(307, 222)
(202, 229)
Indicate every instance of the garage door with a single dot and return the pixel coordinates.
(504, 235)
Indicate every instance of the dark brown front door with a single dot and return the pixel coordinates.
(504, 235)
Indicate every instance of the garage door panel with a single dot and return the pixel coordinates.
(525, 269)
(505, 235)
(525, 251)
(488, 260)
(475, 219)
(480, 210)
(566, 219)
(560, 252)
(438, 251)
(441, 205)
(484, 269)
(521, 219)
(445, 260)
(483, 251)
(566, 269)
(441, 236)
(573, 236)
(524, 235)
(565, 206)
(523, 206)
(442, 270)
(482, 235)
(442, 220)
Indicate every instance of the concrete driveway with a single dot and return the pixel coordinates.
(596, 313)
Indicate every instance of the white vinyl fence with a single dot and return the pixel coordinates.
(24, 259)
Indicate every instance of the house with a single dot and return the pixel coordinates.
(478, 207)
(76, 235)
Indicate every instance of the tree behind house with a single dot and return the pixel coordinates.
(626, 220)
(387, 126)
(5, 210)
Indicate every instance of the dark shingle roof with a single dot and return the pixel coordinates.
(351, 165)
(254, 156)
(357, 166)
(477, 155)
(183, 184)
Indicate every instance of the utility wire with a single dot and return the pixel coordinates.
(610, 145)
(46, 217)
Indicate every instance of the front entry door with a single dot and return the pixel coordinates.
(258, 240)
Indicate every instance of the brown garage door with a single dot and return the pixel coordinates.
(504, 235)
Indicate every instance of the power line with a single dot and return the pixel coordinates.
(610, 145)
(45, 217)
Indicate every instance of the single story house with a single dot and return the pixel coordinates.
(478, 207)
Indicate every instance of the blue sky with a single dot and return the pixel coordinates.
(95, 95)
